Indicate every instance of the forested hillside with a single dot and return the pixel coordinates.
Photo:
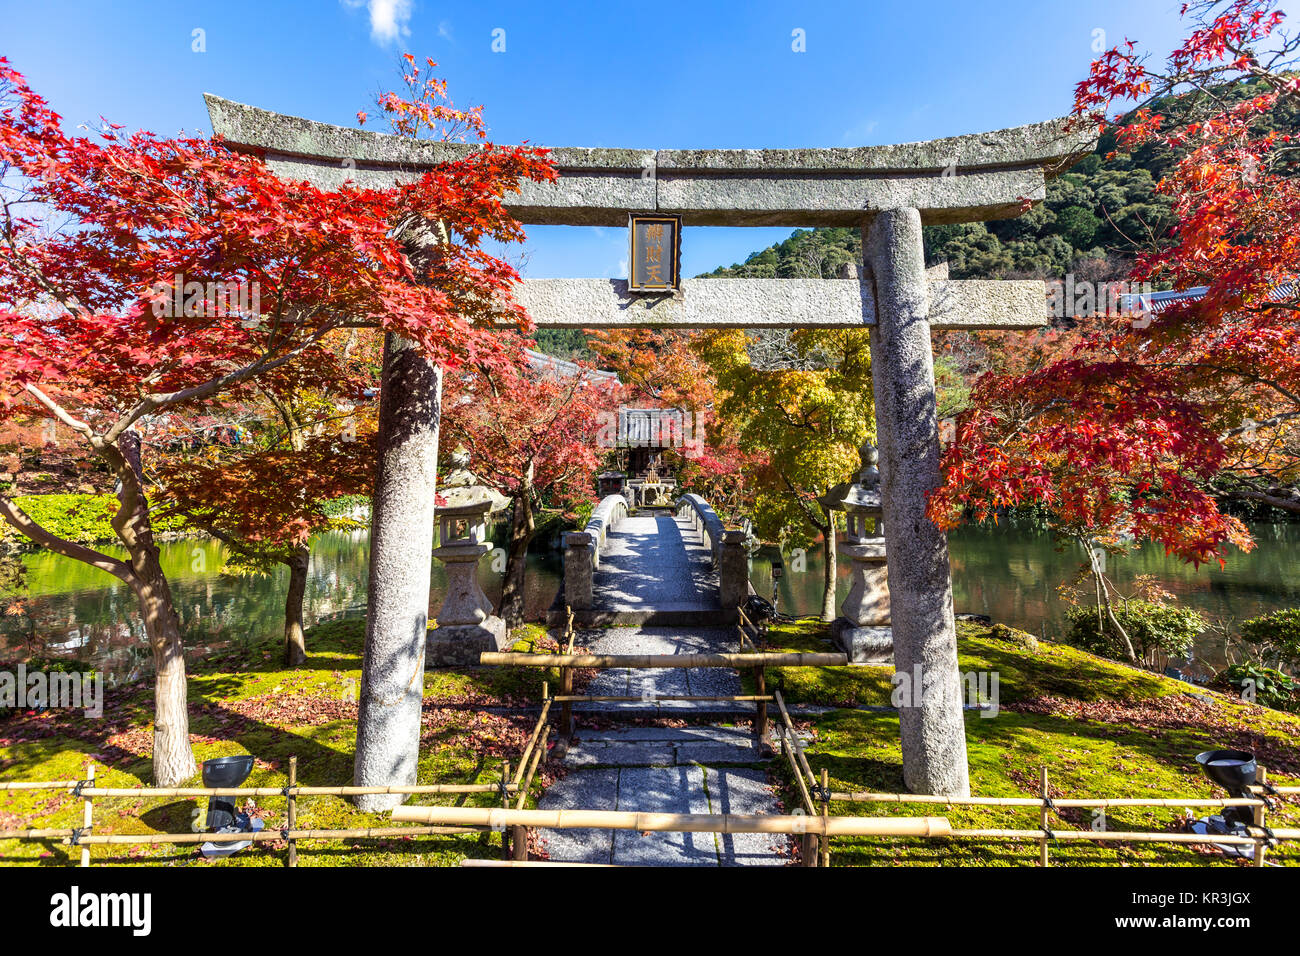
(1098, 216)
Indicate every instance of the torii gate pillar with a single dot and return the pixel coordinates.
(920, 584)
(401, 556)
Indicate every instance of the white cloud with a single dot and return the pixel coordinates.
(389, 19)
(861, 131)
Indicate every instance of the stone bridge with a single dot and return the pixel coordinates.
(653, 567)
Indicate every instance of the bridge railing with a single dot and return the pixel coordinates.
(704, 520)
(727, 548)
(582, 550)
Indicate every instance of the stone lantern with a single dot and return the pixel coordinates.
(466, 624)
(863, 628)
(610, 483)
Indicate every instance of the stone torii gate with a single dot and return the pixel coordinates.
(889, 191)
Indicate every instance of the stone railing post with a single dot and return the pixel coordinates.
(733, 570)
(579, 566)
(920, 585)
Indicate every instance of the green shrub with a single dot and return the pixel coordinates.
(345, 505)
(81, 518)
(1278, 634)
(1153, 629)
(1260, 685)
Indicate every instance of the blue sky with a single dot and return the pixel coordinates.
(653, 75)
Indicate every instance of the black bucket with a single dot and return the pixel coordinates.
(224, 772)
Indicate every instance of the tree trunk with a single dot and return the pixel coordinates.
(295, 641)
(173, 758)
(1104, 605)
(831, 569)
(522, 528)
(1119, 628)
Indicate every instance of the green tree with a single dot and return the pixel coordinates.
(802, 399)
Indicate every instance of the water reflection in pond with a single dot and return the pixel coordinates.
(1010, 574)
(80, 612)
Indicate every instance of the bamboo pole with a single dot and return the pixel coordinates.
(493, 819)
(519, 834)
(826, 813)
(731, 698)
(1292, 791)
(790, 743)
(292, 817)
(865, 797)
(674, 822)
(532, 769)
(1043, 813)
(760, 712)
(765, 658)
(743, 622)
(87, 814)
(245, 791)
(805, 840)
(263, 836)
(505, 805)
(1119, 836)
(1262, 845)
(45, 833)
(532, 741)
(145, 792)
(789, 727)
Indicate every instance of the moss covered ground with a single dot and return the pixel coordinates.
(248, 702)
(1099, 727)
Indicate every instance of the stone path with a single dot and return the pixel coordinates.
(655, 563)
(702, 768)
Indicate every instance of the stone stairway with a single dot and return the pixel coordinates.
(705, 766)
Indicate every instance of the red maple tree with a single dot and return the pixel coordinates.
(531, 435)
(141, 276)
(1150, 418)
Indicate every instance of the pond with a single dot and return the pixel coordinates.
(76, 611)
(1010, 574)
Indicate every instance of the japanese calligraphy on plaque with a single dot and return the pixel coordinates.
(655, 258)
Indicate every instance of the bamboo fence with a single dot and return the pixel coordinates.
(83, 837)
(1259, 835)
(813, 821)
